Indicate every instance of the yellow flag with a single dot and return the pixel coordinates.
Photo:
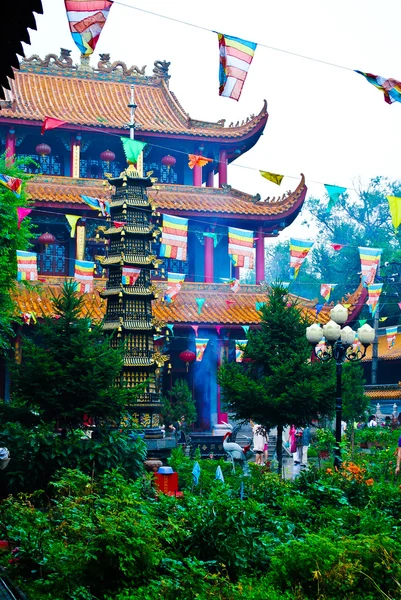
(395, 210)
(272, 177)
(72, 219)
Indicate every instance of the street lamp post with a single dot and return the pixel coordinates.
(339, 346)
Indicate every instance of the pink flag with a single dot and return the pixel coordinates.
(22, 213)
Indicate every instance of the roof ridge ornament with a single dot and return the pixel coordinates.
(64, 61)
(105, 66)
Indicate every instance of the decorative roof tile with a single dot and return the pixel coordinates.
(176, 199)
(96, 101)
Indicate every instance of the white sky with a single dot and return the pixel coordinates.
(326, 122)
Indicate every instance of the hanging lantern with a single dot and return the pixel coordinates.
(108, 156)
(43, 149)
(46, 239)
(168, 161)
(188, 357)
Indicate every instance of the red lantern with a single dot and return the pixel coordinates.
(108, 156)
(188, 357)
(168, 161)
(46, 239)
(43, 149)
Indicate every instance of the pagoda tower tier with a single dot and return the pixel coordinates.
(129, 292)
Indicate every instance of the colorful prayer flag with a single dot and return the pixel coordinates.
(234, 285)
(51, 123)
(87, 19)
(194, 160)
(334, 192)
(200, 302)
(13, 184)
(27, 269)
(174, 238)
(391, 333)
(274, 177)
(299, 249)
(374, 291)
(235, 59)
(129, 275)
(22, 213)
(240, 247)
(97, 204)
(370, 258)
(394, 203)
(240, 346)
(325, 290)
(200, 347)
(72, 220)
(391, 88)
(132, 149)
(84, 275)
(174, 283)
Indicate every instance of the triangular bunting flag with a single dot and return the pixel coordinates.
(132, 149)
(197, 161)
(337, 247)
(273, 177)
(87, 19)
(219, 474)
(299, 250)
(240, 346)
(209, 234)
(13, 184)
(362, 322)
(394, 203)
(51, 123)
(374, 291)
(196, 471)
(72, 220)
(195, 328)
(318, 308)
(245, 328)
(325, 290)
(200, 302)
(200, 347)
(234, 285)
(170, 328)
(382, 319)
(22, 213)
(334, 192)
(129, 275)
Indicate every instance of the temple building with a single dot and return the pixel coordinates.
(73, 160)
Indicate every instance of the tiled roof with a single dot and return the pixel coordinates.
(386, 353)
(384, 394)
(221, 305)
(86, 99)
(180, 199)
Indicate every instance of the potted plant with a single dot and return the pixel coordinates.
(325, 442)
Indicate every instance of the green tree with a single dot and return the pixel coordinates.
(355, 402)
(179, 402)
(69, 369)
(11, 240)
(279, 385)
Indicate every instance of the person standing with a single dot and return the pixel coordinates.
(305, 446)
(259, 441)
(398, 452)
(292, 440)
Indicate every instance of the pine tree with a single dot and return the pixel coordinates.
(69, 369)
(278, 384)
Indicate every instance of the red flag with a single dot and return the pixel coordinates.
(399, 305)
(337, 246)
(22, 213)
(51, 123)
(119, 224)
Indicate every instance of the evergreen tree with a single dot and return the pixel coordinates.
(278, 384)
(69, 369)
(12, 239)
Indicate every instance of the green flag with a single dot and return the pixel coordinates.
(362, 322)
(132, 148)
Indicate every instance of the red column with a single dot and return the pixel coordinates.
(260, 257)
(222, 167)
(197, 180)
(210, 179)
(10, 145)
(209, 259)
